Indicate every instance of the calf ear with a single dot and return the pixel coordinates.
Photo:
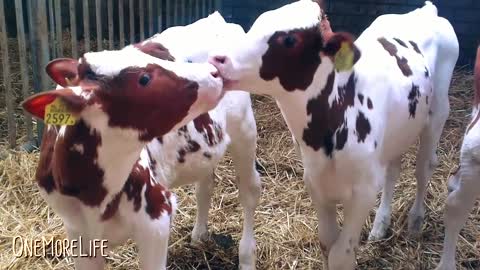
(63, 71)
(321, 3)
(36, 104)
(343, 52)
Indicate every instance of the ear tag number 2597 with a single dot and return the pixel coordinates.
(56, 113)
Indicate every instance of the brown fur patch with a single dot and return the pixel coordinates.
(327, 128)
(292, 57)
(131, 105)
(84, 180)
(157, 198)
(392, 50)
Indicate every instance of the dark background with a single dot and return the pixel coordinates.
(356, 15)
(347, 15)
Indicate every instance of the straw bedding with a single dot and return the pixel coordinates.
(285, 220)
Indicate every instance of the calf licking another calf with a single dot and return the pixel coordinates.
(353, 107)
(135, 110)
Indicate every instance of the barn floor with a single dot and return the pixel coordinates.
(285, 221)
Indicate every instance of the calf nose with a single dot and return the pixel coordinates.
(220, 59)
(215, 73)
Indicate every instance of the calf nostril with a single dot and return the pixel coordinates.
(220, 59)
(215, 73)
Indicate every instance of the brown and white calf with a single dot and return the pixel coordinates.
(353, 107)
(464, 184)
(90, 172)
(190, 155)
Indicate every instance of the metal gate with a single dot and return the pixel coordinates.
(47, 29)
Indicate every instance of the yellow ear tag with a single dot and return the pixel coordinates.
(56, 113)
(344, 58)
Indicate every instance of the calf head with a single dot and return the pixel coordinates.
(130, 90)
(284, 50)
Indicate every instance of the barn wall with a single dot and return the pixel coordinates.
(355, 15)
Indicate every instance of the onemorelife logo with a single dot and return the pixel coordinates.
(59, 248)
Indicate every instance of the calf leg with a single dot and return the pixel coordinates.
(384, 212)
(427, 160)
(460, 201)
(243, 132)
(84, 263)
(328, 229)
(203, 193)
(342, 253)
(151, 236)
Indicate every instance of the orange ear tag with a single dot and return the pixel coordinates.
(56, 113)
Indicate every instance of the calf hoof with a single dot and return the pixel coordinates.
(443, 266)
(377, 235)
(246, 254)
(244, 266)
(415, 226)
(378, 232)
(199, 236)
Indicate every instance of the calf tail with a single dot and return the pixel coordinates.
(429, 8)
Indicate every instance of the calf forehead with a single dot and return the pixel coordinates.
(111, 63)
(301, 14)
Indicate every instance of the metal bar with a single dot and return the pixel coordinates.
(175, 12)
(150, 18)
(168, 14)
(31, 5)
(98, 18)
(51, 19)
(86, 25)
(160, 17)
(132, 23)
(22, 49)
(110, 24)
(197, 9)
(9, 96)
(42, 41)
(39, 31)
(73, 29)
(204, 8)
(142, 19)
(218, 5)
(183, 13)
(58, 27)
(121, 26)
(188, 9)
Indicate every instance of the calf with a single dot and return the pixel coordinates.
(463, 185)
(353, 107)
(89, 170)
(190, 155)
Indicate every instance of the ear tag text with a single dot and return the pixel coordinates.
(56, 113)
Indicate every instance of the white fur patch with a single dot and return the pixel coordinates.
(78, 148)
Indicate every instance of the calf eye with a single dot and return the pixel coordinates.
(144, 79)
(289, 41)
(89, 74)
